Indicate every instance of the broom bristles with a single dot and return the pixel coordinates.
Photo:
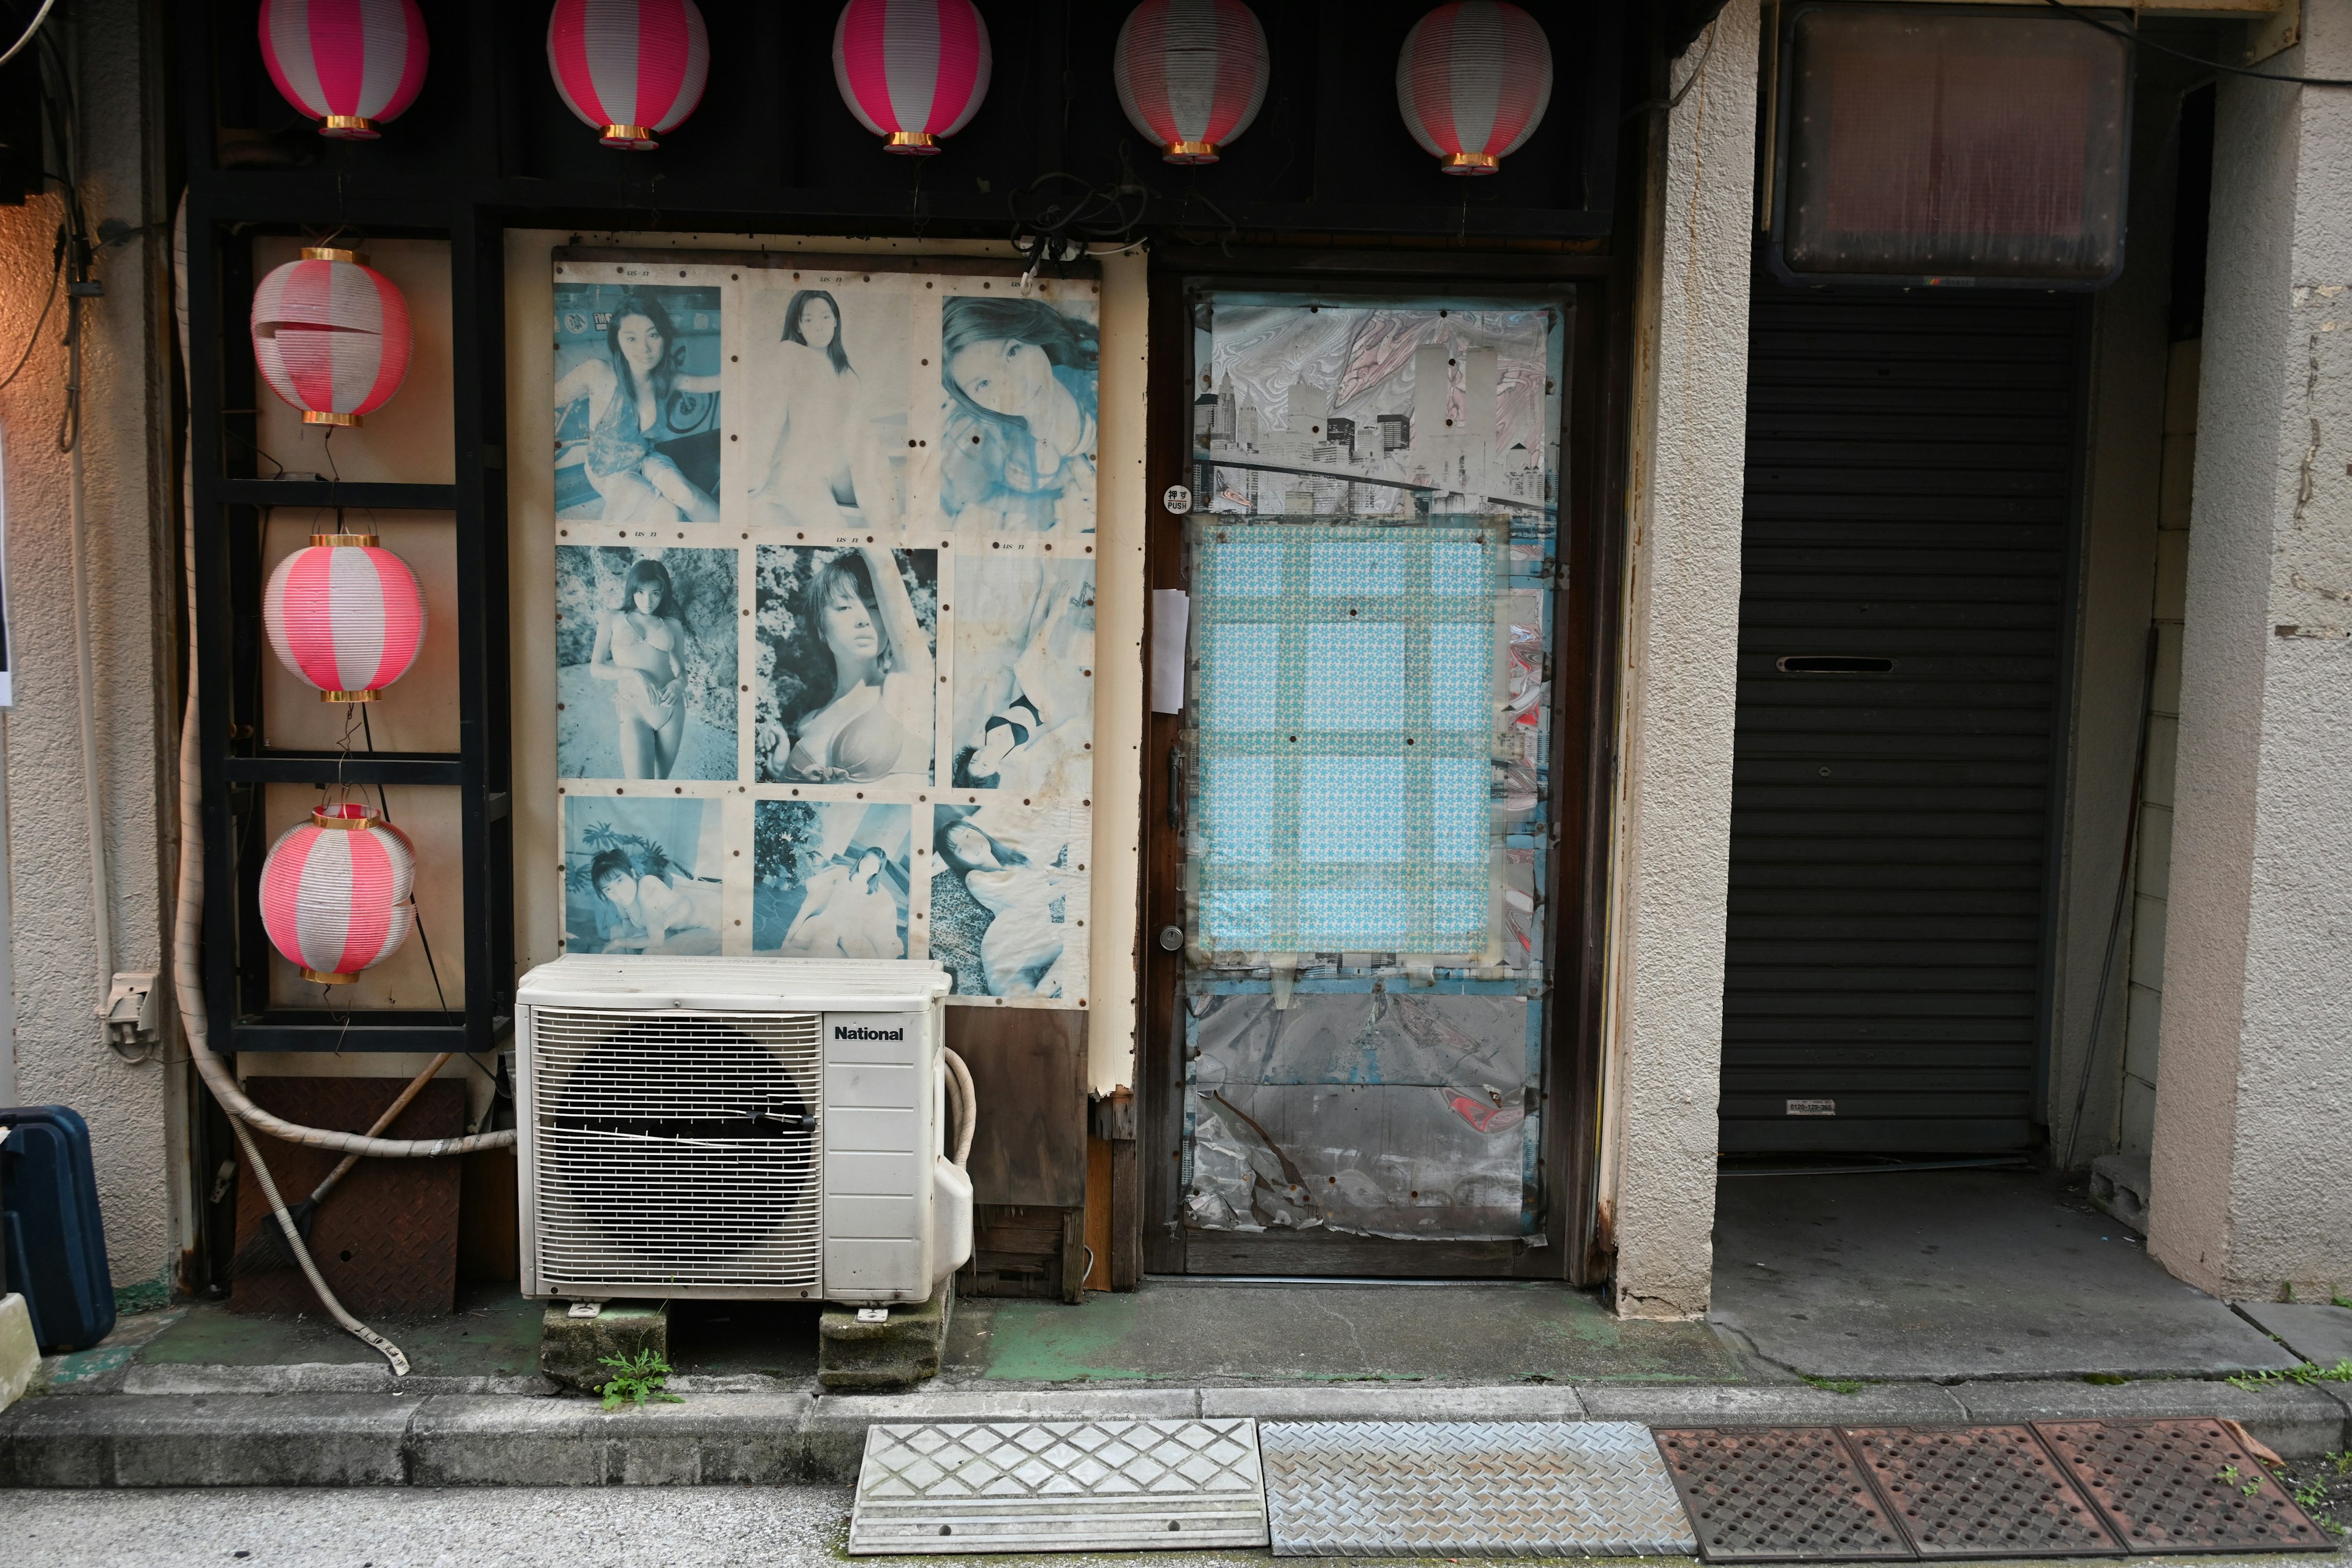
(265, 1248)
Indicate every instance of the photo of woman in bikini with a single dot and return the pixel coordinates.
(1021, 379)
(848, 639)
(640, 875)
(636, 404)
(645, 663)
(1009, 900)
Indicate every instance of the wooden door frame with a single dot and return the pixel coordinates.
(1582, 764)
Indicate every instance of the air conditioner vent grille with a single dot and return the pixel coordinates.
(675, 1148)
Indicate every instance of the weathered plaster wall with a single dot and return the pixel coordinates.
(60, 977)
(1682, 609)
(2252, 1146)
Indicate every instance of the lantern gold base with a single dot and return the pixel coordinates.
(348, 128)
(345, 818)
(1470, 163)
(1188, 151)
(334, 253)
(912, 143)
(317, 978)
(630, 138)
(323, 416)
(343, 541)
(368, 696)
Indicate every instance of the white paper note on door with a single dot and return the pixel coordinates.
(1172, 626)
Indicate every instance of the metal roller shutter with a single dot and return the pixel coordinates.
(1909, 501)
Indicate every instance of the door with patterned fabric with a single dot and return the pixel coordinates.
(1346, 904)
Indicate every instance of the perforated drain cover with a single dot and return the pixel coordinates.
(1778, 1494)
(1468, 1488)
(2182, 1486)
(1980, 1492)
(1045, 1485)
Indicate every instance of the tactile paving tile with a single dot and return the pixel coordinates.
(1778, 1494)
(1468, 1488)
(1046, 1485)
(1980, 1492)
(2182, 1486)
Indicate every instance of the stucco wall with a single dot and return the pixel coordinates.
(2252, 1144)
(60, 977)
(1682, 613)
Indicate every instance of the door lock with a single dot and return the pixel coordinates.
(1171, 938)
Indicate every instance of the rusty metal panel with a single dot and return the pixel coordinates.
(386, 1239)
(1980, 1492)
(1778, 1494)
(2182, 1486)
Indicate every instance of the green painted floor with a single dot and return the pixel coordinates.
(1170, 1331)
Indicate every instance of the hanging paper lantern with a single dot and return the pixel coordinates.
(349, 64)
(335, 892)
(911, 70)
(633, 69)
(345, 615)
(1190, 73)
(1473, 80)
(330, 335)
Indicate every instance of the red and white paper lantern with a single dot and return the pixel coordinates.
(335, 892)
(346, 614)
(1191, 74)
(330, 335)
(911, 70)
(350, 65)
(633, 69)
(1473, 82)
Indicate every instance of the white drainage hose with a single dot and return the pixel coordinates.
(187, 938)
(963, 1104)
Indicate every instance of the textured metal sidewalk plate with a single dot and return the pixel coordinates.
(1057, 1486)
(2182, 1486)
(1468, 1488)
(1980, 1492)
(1778, 1494)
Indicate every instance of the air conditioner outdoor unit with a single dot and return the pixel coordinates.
(736, 1128)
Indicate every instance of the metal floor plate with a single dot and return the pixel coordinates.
(2182, 1486)
(1468, 1488)
(974, 1486)
(1980, 1492)
(1778, 1494)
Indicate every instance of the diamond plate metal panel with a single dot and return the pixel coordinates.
(2182, 1486)
(963, 1488)
(1468, 1488)
(1980, 1492)
(1778, 1494)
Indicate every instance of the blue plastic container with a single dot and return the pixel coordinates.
(50, 1226)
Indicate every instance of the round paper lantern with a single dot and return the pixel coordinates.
(335, 892)
(345, 615)
(911, 70)
(330, 335)
(633, 69)
(1191, 74)
(349, 64)
(1473, 80)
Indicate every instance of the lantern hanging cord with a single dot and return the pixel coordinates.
(27, 36)
(2136, 41)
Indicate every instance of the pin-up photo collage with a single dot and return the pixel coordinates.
(825, 612)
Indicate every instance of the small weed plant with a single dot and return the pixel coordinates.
(2309, 1371)
(1838, 1384)
(637, 1380)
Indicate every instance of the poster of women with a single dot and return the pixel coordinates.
(1025, 654)
(637, 430)
(1008, 914)
(646, 661)
(641, 876)
(1017, 438)
(830, 879)
(847, 642)
(823, 372)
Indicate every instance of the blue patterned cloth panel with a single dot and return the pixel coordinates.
(1342, 728)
